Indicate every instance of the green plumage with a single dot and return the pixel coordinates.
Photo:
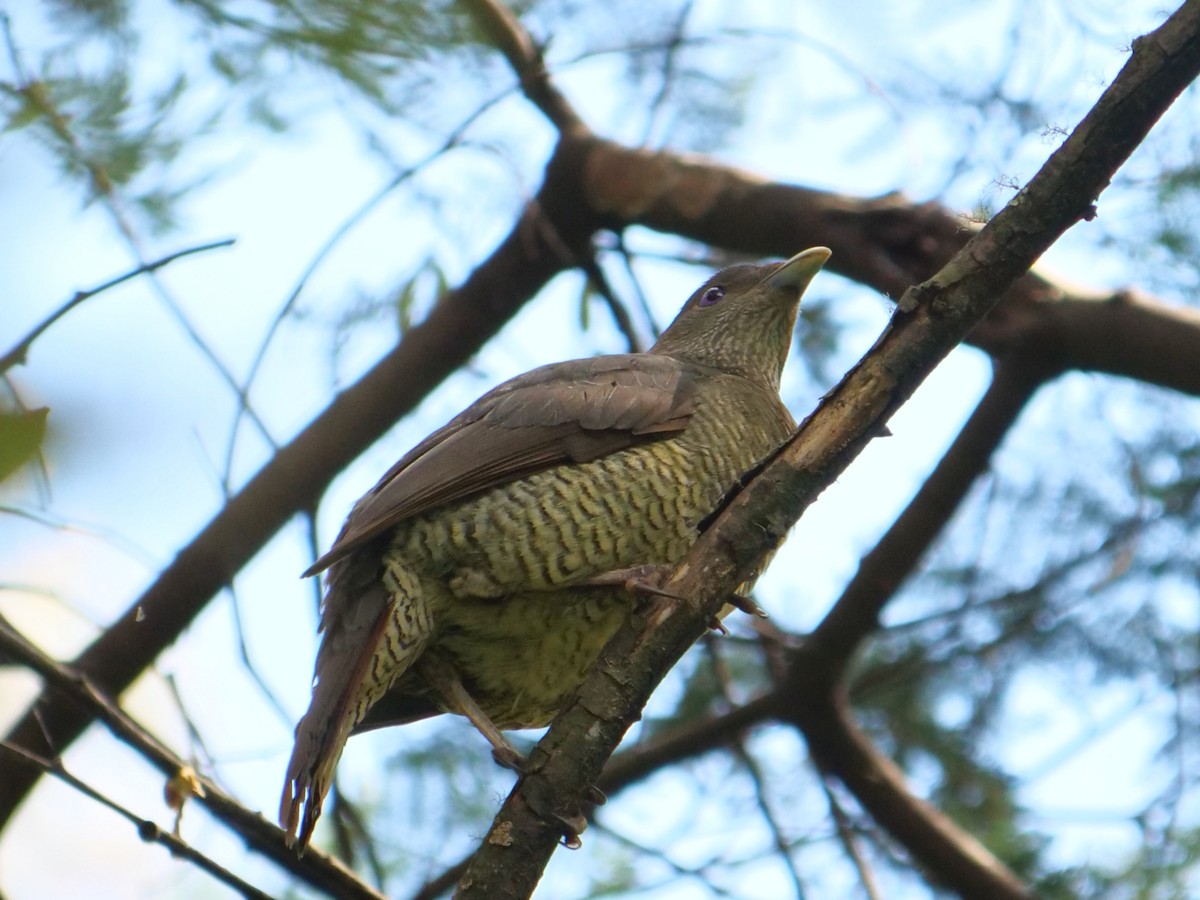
(497, 568)
(464, 581)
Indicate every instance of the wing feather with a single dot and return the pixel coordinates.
(570, 412)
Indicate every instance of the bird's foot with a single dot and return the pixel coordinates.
(571, 822)
(575, 824)
(572, 827)
(508, 758)
(747, 605)
(648, 579)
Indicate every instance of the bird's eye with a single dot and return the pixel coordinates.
(712, 295)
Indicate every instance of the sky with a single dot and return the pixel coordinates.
(140, 423)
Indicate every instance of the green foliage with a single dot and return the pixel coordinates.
(21, 436)
(90, 17)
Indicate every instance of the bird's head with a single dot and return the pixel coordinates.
(741, 319)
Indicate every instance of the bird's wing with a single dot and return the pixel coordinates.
(569, 412)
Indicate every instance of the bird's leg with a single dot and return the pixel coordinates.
(648, 579)
(442, 677)
(440, 674)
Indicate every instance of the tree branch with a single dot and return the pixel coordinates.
(315, 868)
(931, 319)
(507, 34)
(536, 249)
(855, 614)
(951, 856)
(20, 350)
(889, 243)
(147, 830)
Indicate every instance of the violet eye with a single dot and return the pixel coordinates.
(712, 295)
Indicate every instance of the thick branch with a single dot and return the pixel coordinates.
(538, 247)
(889, 244)
(930, 321)
(509, 37)
(895, 557)
(1128, 334)
(950, 855)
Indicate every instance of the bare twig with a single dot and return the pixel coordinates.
(20, 350)
(441, 885)
(724, 679)
(331, 242)
(670, 54)
(256, 676)
(881, 572)
(774, 826)
(264, 837)
(643, 301)
(595, 274)
(952, 856)
(40, 97)
(147, 830)
(850, 841)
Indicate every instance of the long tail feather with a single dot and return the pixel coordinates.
(343, 667)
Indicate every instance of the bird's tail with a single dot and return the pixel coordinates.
(322, 732)
(370, 640)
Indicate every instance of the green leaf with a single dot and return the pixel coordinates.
(21, 436)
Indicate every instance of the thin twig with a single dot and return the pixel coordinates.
(768, 814)
(643, 300)
(670, 53)
(525, 57)
(195, 738)
(40, 98)
(849, 839)
(696, 872)
(331, 242)
(260, 682)
(315, 868)
(147, 830)
(591, 267)
(724, 680)
(20, 350)
(439, 886)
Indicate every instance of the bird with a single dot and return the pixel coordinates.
(485, 571)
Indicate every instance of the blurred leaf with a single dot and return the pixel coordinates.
(21, 436)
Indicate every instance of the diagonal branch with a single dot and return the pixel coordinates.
(507, 34)
(147, 830)
(951, 856)
(855, 614)
(316, 869)
(536, 249)
(932, 318)
(20, 350)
